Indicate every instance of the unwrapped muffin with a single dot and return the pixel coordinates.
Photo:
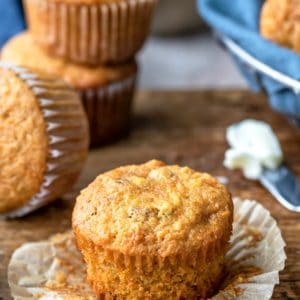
(153, 231)
(90, 31)
(280, 22)
(106, 92)
(43, 139)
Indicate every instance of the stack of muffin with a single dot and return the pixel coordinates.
(91, 45)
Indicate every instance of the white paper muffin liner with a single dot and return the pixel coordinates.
(54, 269)
(90, 33)
(68, 137)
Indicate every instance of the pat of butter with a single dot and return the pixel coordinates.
(254, 147)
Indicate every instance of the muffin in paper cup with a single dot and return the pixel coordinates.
(43, 139)
(109, 110)
(153, 231)
(45, 270)
(106, 91)
(90, 31)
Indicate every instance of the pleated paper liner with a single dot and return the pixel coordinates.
(99, 33)
(54, 269)
(68, 139)
(109, 110)
(142, 268)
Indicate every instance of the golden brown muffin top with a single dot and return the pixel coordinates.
(23, 51)
(23, 142)
(280, 22)
(153, 209)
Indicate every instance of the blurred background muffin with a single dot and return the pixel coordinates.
(186, 56)
(90, 31)
(106, 91)
(91, 45)
(43, 139)
(280, 23)
(153, 231)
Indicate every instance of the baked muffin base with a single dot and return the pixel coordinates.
(94, 33)
(108, 110)
(167, 282)
(114, 275)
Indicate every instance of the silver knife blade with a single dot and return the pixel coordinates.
(284, 186)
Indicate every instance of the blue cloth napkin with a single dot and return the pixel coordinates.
(239, 20)
(11, 19)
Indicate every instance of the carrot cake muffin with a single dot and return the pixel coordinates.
(280, 23)
(153, 231)
(43, 139)
(90, 31)
(106, 92)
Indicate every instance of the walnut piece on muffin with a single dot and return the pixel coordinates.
(280, 23)
(153, 231)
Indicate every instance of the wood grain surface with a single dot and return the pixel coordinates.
(186, 128)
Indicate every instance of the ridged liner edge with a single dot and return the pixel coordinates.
(108, 109)
(109, 32)
(67, 133)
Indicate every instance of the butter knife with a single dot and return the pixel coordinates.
(284, 186)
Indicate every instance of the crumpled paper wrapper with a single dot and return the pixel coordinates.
(54, 269)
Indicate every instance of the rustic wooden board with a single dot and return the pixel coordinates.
(185, 128)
